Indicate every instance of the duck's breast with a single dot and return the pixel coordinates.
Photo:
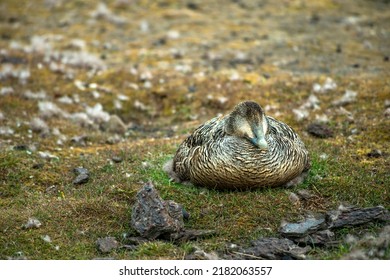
(234, 162)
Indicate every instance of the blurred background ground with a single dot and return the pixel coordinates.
(115, 86)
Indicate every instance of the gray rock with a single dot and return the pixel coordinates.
(81, 179)
(21, 147)
(117, 159)
(352, 216)
(18, 256)
(107, 244)
(82, 175)
(113, 139)
(80, 170)
(32, 223)
(375, 153)
(319, 130)
(153, 217)
(80, 140)
(301, 229)
(386, 113)
(348, 97)
(46, 238)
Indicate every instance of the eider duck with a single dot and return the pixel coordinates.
(244, 149)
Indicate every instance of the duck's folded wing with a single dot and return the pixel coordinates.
(187, 151)
(280, 129)
(203, 134)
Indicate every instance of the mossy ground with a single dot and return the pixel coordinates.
(287, 49)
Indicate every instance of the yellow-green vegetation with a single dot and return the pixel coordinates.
(171, 65)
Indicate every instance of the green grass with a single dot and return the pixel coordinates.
(76, 216)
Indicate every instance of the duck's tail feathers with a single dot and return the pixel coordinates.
(168, 168)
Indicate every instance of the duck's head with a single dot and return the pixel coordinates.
(247, 120)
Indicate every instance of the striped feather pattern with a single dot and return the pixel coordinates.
(211, 158)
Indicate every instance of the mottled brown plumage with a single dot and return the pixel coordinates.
(242, 150)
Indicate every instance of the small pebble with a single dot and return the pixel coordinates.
(375, 153)
(80, 170)
(107, 244)
(81, 179)
(51, 189)
(47, 155)
(387, 112)
(79, 140)
(32, 223)
(5, 130)
(38, 165)
(319, 130)
(348, 97)
(21, 147)
(46, 238)
(300, 114)
(146, 165)
(117, 159)
(113, 139)
(324, 156)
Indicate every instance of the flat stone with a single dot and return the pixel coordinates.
(21, 147)
(107, 244)
(32, 223)
(117, 159)
(319, 130)
(307, 226)
(38, 165)
(80, 170)
(375, 153)
(81, 179)
(352, 216)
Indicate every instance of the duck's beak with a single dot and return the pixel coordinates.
(260, 143)
(259, 139)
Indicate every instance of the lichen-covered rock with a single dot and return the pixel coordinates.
(353, 216)
(153, 217)
(107, 244)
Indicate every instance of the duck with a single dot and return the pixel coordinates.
(243, 150)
